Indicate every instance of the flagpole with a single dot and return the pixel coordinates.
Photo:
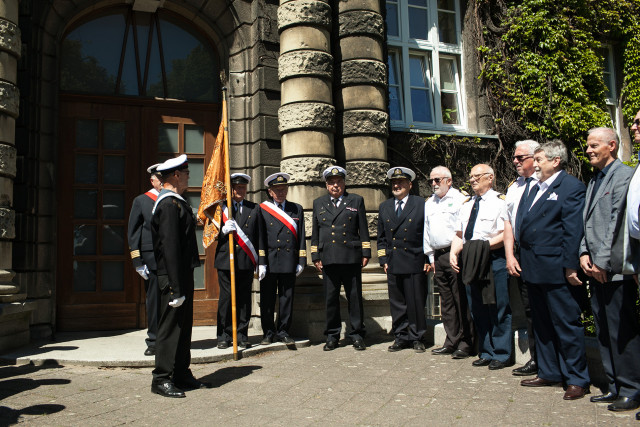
(232, 264)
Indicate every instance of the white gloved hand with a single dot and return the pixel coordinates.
(299, 270)
(262, 271)
(177, 302)
(143, 271)
(229, 226)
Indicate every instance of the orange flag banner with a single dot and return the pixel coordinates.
(214, 191)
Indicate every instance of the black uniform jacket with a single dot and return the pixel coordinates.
(283, 251)
(249, 221)
(340, 235)
(400, 239)
(173, 229)
(139, 232)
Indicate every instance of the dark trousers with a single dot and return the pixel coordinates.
(407, 298)
(454, 309)
(244, 280)
(282, 284)
(173, 342)
(524, 298)
(559, 333)
(334, 276)
(493, 321)
(614, 313)
(152, 305)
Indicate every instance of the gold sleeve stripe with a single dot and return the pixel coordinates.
(382, 252)
(135, 254)
(261, 252)
(303, 253)
(314, 249)
(366, 245)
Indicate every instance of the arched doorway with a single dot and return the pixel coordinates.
(135, 88)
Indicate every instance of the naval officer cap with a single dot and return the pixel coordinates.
(240, 178)
(278, 178)
(153, 168)
(401, 173)
(334, 171)
(171, 165)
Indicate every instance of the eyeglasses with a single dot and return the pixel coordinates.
(636, 123)
(436, 180)
(522, 158)
(478, 176)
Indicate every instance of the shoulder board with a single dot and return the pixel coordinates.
(511, 183)
(502, 196)
(464, 193)
(467, 199)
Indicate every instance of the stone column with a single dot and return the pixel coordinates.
(14, 312)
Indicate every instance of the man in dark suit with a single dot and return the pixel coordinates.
(340, 248)
(549, 235)
(141, 248)
(401, 253)
(282, 260)
(633, 206)
(244, 222)
(173, 230)
(613, 295)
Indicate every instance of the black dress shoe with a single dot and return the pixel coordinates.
(496, 364)
(166, 389)
(624, 403)
(529, 368)
(359, 344)
(150, 351)
(244, 344)
(607, 397)
(267, 340)
(330, 345)
(442, 350)
(481, 362)
(190, 383)
(418, 347)
(288, 340)
(638, 416)
(398, 345)
(223, 344)
(459, 354)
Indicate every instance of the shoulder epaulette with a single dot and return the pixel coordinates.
(502, 196)
(464, 193)
(468, 198)
(511, 183)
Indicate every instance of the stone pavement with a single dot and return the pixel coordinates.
(306, 386)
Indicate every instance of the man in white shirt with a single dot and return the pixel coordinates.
(633, 195)
(440, 216)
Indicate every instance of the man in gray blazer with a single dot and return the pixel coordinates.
(613, 295)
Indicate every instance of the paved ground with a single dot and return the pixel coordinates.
(293, 387)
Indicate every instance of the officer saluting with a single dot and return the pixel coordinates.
(340, 248)
(284, 258)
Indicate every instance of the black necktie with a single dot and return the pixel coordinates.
(238, 206)
(520, 213)
(281, 206)
(468, 232)
(335, 202)
(530, 199)
(399, 208)
(596, 184)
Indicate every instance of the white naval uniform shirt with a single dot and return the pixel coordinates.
(440, 216)
(514, 194)
(492, 213)
(633, 201)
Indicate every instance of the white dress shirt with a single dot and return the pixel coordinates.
(514, 194)
(543, 187)
(633, 204)
(492, 213)
(440, 215)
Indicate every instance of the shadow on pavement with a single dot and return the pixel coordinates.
(226, 375)
(10, 416)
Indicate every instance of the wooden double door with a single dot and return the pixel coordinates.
(105, 147)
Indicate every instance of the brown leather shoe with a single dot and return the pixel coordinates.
(538, 382)
(575, 392)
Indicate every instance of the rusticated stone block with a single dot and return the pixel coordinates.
(362, 122)
(10, 37)
(306, 169)
(305, 63)
(360, 22)
(346, 5)
(8, 160)
(304, 12)
(362, 71)
(367, 173)
(9, 98)
(306, 115)
(7, 223)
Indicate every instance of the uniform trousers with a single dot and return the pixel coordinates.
(407, 298)
(283, 284)
(559, 332)
(524, 298)
(334, 276)
(454, 309)
(493, 321)
(152, 305)
(614, 314)
(244, 280)
(173, 342)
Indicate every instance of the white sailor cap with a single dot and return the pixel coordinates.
(278, 178)
(240, 178)
(401, 172)
(153, 168)
(174, 164)
(334, 171)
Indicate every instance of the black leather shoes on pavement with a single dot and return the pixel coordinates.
(638, 416)
(398, 345)
(150, 351)
(481, 362)
(223, 344)
(623, 404)
(607, 397)
(330, 345)
(529, 368)
(496, 364)
(266, 340)
(359, 344)
(244, 344)
(166, 389)
(288, 340)
(418, 347)
(190, 383)
(442, 350)
(459, 354)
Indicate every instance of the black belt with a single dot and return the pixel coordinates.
(442, 251)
